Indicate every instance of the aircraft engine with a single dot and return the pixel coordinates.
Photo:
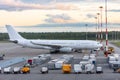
(66, 49)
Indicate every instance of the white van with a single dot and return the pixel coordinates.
(89, 68)
(77, 68)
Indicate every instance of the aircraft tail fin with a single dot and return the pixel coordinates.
(13, 35)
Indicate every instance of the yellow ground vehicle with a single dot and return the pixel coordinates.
(110, 50)
(66, 68)
(25, 70)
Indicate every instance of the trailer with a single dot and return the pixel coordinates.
(58, 64)
(7, 70)
(77, 68)
(44, 70)
(89, 68)
(16, 70)
(99, 69)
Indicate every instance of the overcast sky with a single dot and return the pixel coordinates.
(56, 15)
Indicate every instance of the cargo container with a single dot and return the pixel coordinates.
(16, 70)
(83, 63)
(58, 64)
(51, 64)
(89, 68)
(85, 58)
(77, 68)
(111, 58)
(115, 65)
(117, 56)
(7, 70)
(99, 70)
(44, 70)
(66, 68)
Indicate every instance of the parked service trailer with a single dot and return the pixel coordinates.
(77, 68)
(83, 63)
(68, 58)
(58, 64)
(110, 59)
(7, 70)
(117, 56)
(16, 70)
(51, 64)
(89, 68)
(116, 65)
(99, 69)
(38, 60)
(44, 70)
(85, 58)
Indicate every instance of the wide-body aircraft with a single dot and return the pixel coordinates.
(52, 45)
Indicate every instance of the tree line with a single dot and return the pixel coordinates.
(63, 35)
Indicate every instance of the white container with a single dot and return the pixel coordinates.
(99, 70)
(85, 58)
(7, 70)
(58, 64)
(89, 68)
(116, 56)
(92, 57)
(16, 69)
(84, 62)
(77, 68)
(44, 70)
(0, 69)
(111, 58)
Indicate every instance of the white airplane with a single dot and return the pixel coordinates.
(52, 45)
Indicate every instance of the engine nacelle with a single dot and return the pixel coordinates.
(66, 49)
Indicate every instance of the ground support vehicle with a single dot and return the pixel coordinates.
(99, 70)
(25, 70)
(77, 68)
(16, 70)
(89, 68)
(66, 68)
(44, 70)
(7, 70)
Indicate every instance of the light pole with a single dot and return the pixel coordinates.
(98, 26)
(86, 30)
(106, 25)
(101, 23)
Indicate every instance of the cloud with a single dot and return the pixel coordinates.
(90, 15)
(114, 10)
(11, 5)
(59, 18)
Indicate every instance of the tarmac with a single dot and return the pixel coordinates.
(12, 51)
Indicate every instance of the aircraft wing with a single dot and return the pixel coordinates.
(49, 45)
